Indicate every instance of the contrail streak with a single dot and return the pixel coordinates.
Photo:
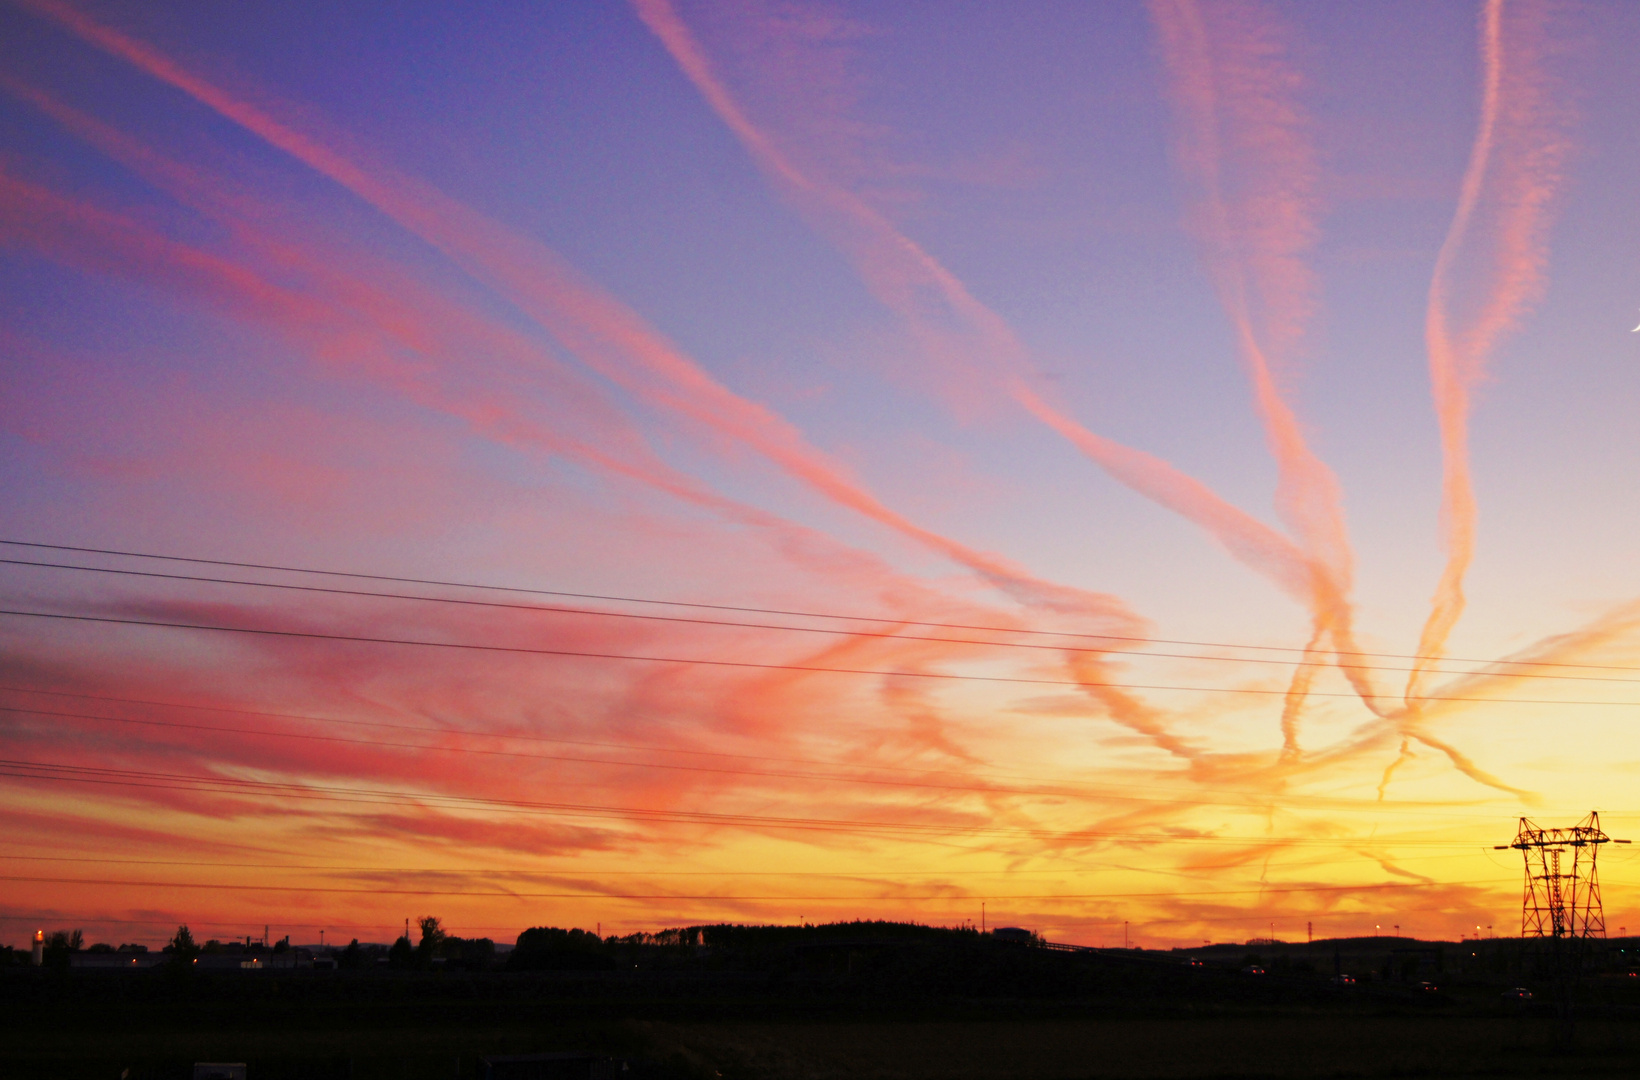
(1522, 185)
(1232, 88)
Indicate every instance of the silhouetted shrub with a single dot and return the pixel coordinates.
(402, 954)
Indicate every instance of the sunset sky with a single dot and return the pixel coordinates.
(637, 464)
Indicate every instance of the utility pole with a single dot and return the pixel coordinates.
(1309, 933)
(1124, 934)
(982, 916)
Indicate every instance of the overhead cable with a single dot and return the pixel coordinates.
(895, 635)
(878, 619)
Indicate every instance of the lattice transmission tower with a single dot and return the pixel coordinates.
(1562, 896)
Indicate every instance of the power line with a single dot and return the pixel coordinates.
(898, 770)
(727, 623)
(832, 631)
(50, 771)
(998, 789)
(36, 918)
(55, 771)
(313, 635)
(1262, 799)
(527, 651)
(770, 611)
(356, 870)
(445, 731)
(730, 898)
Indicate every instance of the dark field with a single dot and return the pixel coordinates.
(1227, 1046)
(1295, 1045)
(857, 1001)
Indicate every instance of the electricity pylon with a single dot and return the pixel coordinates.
(1562, 896)
(1561, 904)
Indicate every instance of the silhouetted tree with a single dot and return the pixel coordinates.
(352, 956)
(472, 953)
(432, 937)
(549, 948)
(182, 948)
(60, 945)
(401, 954)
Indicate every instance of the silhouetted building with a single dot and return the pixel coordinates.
(262, 960)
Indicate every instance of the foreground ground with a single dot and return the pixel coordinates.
(855, 1002)
(1030, 1049)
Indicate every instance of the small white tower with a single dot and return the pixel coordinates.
(39, 956)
